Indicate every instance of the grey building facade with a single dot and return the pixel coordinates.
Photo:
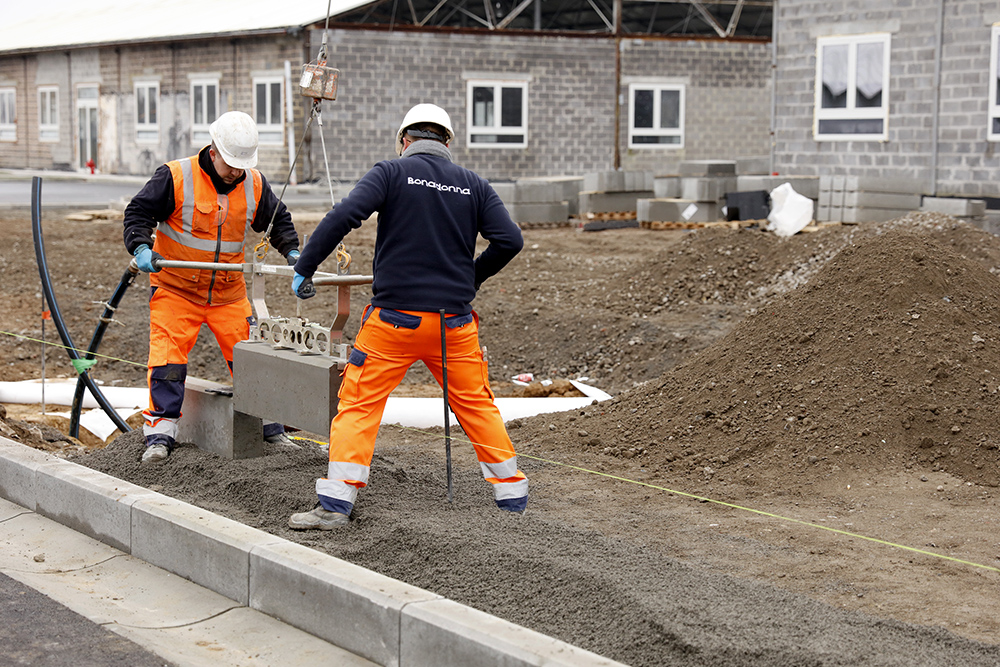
(524, 102)
(889, 89)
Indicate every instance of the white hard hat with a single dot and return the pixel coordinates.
(235, 137)
(424, 113)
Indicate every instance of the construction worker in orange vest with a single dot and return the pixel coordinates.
(430, 213)
(201, 208)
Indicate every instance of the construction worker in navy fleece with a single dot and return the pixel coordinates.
(430, 213)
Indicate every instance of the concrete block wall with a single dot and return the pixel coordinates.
(570, 90)
(727, 98)
(115, 72)
(967, 163)
(570, 94)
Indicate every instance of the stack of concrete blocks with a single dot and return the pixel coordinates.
(854, 199)
(753, 174)
(697, 194)
(608, 192)
(539, 203)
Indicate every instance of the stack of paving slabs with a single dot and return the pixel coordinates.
(609, 198)
(541, 202)
(853, 199)
(694, 196)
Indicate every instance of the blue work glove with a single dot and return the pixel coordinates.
(292, 257)
(303, 287)
(144, 258)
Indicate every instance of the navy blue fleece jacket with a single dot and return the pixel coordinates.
(430, 212)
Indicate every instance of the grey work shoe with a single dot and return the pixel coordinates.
(155, 453)
(282, 440)
(317, 519)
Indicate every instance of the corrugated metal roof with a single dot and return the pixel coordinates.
(43, 24)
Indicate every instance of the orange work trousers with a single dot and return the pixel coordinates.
(174, 324)
(389, 342)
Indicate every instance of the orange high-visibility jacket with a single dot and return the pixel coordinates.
(205, 227)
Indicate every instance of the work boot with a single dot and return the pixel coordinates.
(317, 519)
(155, 453)
(281, 440)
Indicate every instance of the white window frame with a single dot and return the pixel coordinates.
(8, 114)
(993, 119)
(146, 131)
(495, 128)
(271, 131)
(199, 130)
(633, 131)
(48, 114)
(852, 111)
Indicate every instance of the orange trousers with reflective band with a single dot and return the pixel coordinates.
(174, 324)
(388, 343)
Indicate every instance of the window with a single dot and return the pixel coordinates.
(48, 114)
(656, 116)
(8, 114)
(852, 87)
(204, 109)
(498, 114)
(267, 109)
(147, 117)
(993, 131)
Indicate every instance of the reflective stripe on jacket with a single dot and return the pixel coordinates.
(205, 227)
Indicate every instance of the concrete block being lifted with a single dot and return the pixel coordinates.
(611, 202)
(676, 210)
(708, 168)
(281, 385)
(956, 206)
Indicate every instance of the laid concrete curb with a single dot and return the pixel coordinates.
(378, 618)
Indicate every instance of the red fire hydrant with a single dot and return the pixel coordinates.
(90, 163)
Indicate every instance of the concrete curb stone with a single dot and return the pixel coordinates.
(88, 501)
(304, 588)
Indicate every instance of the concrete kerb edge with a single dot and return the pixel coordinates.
(399, 623)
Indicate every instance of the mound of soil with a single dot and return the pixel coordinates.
(887, 360)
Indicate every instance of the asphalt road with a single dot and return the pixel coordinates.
(37, 630)
(67, 190)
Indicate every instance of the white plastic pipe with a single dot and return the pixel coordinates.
(402, 410)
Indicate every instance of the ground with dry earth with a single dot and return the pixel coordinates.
(799, 466)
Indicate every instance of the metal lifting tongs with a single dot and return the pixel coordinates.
(294, 333)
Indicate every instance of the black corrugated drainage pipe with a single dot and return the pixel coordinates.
(50, 298)
(109, 310)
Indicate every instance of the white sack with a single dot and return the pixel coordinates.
(790, 211)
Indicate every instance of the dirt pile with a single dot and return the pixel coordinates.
(887, 360)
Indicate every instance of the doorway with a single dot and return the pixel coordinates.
(87, 126)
